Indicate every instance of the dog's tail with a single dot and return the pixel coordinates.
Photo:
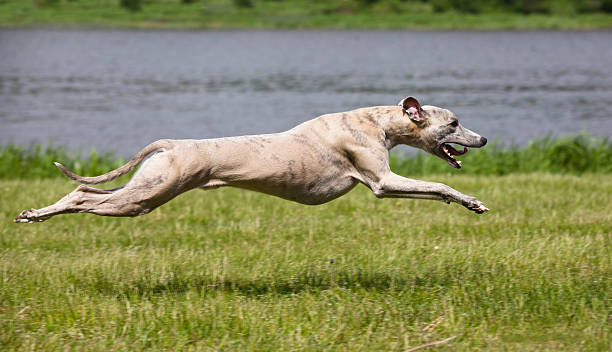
(111, 175)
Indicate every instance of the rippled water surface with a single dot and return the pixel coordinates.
(119, 90)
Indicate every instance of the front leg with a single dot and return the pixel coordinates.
(396, 186)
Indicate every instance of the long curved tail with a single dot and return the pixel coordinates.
(111, 175)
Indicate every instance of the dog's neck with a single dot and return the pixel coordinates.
(398, 128)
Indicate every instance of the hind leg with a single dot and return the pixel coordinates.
(154, 184)
(76, 201)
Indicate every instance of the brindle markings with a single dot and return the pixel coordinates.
(256, 141)
(196, 145)
(290, 170)
(322, 155)
(325, 124)
(152, 182)
(304, 171)
(359, 137)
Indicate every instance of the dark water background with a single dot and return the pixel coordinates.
(119, 90)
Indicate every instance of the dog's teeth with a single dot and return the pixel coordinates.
(446, 151)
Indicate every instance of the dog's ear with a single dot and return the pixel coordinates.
(412, 107)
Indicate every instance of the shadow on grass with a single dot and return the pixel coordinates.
(307, 281)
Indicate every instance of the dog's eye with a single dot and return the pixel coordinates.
(454, 123)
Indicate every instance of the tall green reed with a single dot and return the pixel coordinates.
(576, 154)
(36, 161)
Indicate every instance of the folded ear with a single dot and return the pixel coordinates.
(412, 107)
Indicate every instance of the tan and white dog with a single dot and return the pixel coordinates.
(313, 163)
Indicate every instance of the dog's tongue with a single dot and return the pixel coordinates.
(456, 152)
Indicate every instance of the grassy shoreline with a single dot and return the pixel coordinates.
(437, 22)
(275, 15)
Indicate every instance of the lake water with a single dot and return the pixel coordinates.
(119, 90)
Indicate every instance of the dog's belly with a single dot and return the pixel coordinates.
(312, 193)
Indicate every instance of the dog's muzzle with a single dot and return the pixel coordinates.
(447, 152)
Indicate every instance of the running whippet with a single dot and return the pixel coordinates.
(313, 163)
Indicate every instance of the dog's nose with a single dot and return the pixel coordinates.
(483, 140)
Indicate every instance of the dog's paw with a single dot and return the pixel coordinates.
(476, 206)
(28, 217)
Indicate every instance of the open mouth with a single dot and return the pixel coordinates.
(448, 153)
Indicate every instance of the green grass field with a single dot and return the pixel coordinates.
(235, 270)
(291, 14)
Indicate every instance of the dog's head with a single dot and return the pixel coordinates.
(437, 129)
